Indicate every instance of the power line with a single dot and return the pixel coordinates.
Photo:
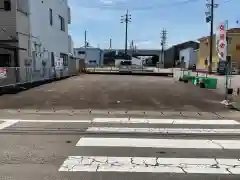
(226, 1)
(151, 7)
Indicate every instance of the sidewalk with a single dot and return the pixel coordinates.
(235, 83)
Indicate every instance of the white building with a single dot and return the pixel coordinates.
(92, 56)
(188, 57)
(133, 62)
(49, 21)
(37, 31)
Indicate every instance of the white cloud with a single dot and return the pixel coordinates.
(146, 44)
(110, 2)
(106, 1)
(139, 43)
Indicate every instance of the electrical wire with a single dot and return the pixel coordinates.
(151, 7)
(227, 1)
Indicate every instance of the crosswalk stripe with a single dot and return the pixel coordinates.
(151, 164)
(187, 164)
(163, 121)
(163, 130)
(159, 143)
(47, 120)
(7, 124)
(130, 121)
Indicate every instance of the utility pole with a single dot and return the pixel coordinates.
(110, 43)
(163, 45)
(126, 19)
(85, 39)
(210, 18)
(132, 45)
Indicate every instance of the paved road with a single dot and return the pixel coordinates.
(136, 129)
(134, 148)
(116, 92)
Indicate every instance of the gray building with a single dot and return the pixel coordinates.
(32, 38)
(14, 39)
(93, 57)
(172, 53)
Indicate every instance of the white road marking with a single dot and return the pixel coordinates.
(7, 124)
(131, 121)
(163, 130)
(159, 143)
(47, 121)
(150, 164)
(164, 121)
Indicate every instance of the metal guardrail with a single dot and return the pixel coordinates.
(133, 68)
(102, 69)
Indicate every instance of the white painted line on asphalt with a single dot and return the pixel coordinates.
(150, 164)
(131, 121)
(163, 130)
(159, 143)
(7, 124)
(111, 120)
(164, 121)
(47, 121)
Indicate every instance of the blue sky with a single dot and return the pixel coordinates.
(183, 21)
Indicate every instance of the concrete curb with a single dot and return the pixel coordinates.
(14, 89)
(133, 73)
(113, 113)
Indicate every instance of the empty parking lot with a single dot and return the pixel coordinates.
(116, 92)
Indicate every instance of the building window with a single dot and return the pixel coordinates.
(69, 15)
(238, 47)
(92, 62)
(51, 16)
(62, 23)
(229, 40)
(81, 52)
(5, 60)
(7, 5)
(52, 59)
(229, 58)
(65, 59)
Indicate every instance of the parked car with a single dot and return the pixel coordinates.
(125, 66)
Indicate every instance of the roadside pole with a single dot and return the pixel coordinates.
(227, 65)
(222, 52)
(126, 19)
(226, 85)
(163, 44)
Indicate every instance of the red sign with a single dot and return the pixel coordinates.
(3, 73)
(221, 41)
(222, 28)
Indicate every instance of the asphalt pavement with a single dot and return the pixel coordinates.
(98, 127)
(116, 92)
(96, 148)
